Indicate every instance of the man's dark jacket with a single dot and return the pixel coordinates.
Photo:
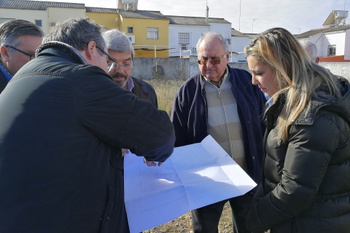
(62, 126)
(144, 91)
(190, 115)
(3, 81)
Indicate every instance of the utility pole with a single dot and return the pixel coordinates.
(239, 17)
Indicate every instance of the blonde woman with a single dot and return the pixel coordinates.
(306, 169)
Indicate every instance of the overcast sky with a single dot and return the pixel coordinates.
(297, 16)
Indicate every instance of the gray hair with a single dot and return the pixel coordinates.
(11, 31)
(311, 50)
(211, 36)
(77, 32)
(118, 41)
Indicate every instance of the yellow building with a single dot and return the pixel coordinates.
(147, 30)
(150, 30)
(106, 17)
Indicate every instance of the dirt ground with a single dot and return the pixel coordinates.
(183, 224)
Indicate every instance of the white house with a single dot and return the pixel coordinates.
(184, 33)
(238, 42)
(333, 40)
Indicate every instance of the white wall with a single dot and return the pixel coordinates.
(347, 45)
(51, 15)
(222, 28)
(336, 38)
(30, 15)
(237, 48)
(56, 15)
(195, 33)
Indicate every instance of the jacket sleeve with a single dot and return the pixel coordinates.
(119, 118)
(307, 157)
(179, 118)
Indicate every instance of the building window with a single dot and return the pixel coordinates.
(331, 50)
(184, 38)
(38, 22)
(152, 33)
(52, 24)
(130, 30)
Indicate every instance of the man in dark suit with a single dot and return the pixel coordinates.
(18, 41)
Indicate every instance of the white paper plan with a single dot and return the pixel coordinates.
(193, 176)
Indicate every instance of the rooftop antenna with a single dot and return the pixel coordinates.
(206, 11)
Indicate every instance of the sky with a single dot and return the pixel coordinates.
(246, 16)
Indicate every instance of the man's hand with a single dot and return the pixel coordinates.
(152, 163)
(125, 151)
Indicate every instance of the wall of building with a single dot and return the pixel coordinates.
(146, 47)
(223, 29)
(335, 38)
(338, 68)
(56, 15)
(172, 68)
(48, 17)
(237, 47)
(106, 20)
(347, 45)
(180, 68)
(30, 15)
(195, 33)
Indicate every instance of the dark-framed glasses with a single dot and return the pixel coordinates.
(213, 61)
(30, 55)
(114, 65)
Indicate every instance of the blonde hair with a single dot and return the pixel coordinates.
(296, 74)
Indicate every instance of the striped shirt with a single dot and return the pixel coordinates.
(223, 121)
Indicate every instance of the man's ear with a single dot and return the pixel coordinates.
(4, 53)
(90, 51)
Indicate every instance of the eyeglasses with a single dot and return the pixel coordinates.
(213, 61)
(21, 51)
(114, 65)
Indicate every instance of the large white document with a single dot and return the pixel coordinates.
(193, 176)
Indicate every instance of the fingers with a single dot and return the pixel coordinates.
(152, 163)
(125, 151)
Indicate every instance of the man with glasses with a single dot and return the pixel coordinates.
(18, 41)
(63, 125)
(221, 101)
(121, 63)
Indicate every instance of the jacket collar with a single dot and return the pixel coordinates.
(322, 100)
(62, 50)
